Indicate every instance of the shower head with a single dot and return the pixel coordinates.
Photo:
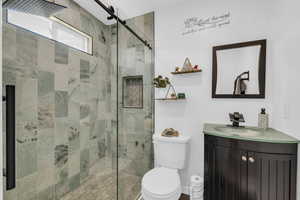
(42, 8)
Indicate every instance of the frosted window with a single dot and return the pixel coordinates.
(52, 28)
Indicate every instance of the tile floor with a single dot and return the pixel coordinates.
(101, 184)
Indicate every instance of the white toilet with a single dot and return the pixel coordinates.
(163, 182)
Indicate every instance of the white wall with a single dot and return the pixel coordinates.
(287, 99)
(250, 20)
(287, 87)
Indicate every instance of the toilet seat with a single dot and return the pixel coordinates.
(161, 184)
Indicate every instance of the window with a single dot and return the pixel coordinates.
(52, 28)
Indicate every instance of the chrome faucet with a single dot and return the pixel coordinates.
(236, 118)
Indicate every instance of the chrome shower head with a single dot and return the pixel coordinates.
(42, 8)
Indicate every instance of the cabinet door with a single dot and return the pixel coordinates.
(271, 176)
(241, 175)
(226, 173)
(209, 170)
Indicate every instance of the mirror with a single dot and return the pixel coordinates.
(239, 70)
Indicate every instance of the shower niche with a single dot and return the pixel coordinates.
(239, 70)
(133, 92)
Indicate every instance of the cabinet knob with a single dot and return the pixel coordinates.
(244, 158)
(252, 160)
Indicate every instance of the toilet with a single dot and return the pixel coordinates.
(163, 182)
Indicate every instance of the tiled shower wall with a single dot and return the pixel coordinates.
(64, 109)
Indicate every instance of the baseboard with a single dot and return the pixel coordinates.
(186, 190)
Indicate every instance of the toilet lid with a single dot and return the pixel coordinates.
(161, 181)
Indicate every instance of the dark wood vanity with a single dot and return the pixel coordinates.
(237, 169)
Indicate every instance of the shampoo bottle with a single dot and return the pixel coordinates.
(263, 119)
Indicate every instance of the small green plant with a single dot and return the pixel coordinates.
(160, 82)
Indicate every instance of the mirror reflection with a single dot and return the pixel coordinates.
(239, 70)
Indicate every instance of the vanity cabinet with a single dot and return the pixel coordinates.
(248, 170)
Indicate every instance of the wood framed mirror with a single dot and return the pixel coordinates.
(239, 70)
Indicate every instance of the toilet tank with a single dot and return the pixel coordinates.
(170, 152)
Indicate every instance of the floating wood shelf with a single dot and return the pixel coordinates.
(187, 72)
(169, 99)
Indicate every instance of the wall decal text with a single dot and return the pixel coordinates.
(195, 24)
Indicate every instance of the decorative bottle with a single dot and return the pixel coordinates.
(263, 119)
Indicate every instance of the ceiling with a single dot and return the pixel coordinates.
(126, 8)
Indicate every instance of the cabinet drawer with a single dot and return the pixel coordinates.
(262, 147)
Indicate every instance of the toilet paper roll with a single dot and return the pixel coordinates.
(197, 188)
(197, 181)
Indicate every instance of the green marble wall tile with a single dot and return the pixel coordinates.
(20, 71)
(74, 164)
(46, 55)
(27, 187)
(84, 164)
(74, 137)
(102, 147)
(61, 78)
(62, 187)
(84, 134)
(8, 78)
(45, 146)
(27, 132)
(93, 152)
(61, 131)
(87, 24)
(26, 157)
(74, 110)
(45, 159)
(45, 83)
(61, 155)
(26, 99)
(109, 143)
(61, 103)
(47, 194)
(84, 70)
(93, 115)
(46, 111)
(84, 111)
(140, 54)
(46, 178)
(139, 123)
(61, 53)
(9, 45)
(27, 48)
(98, 129)
(9, 194)
(74, 182)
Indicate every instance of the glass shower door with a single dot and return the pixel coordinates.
(135, 112)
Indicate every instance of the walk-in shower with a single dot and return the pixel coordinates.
(78, 103)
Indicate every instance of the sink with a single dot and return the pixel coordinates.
(246, 132)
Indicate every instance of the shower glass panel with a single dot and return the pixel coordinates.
(66, 111)
(135, 112)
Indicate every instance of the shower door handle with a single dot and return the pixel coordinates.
(10, 171)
